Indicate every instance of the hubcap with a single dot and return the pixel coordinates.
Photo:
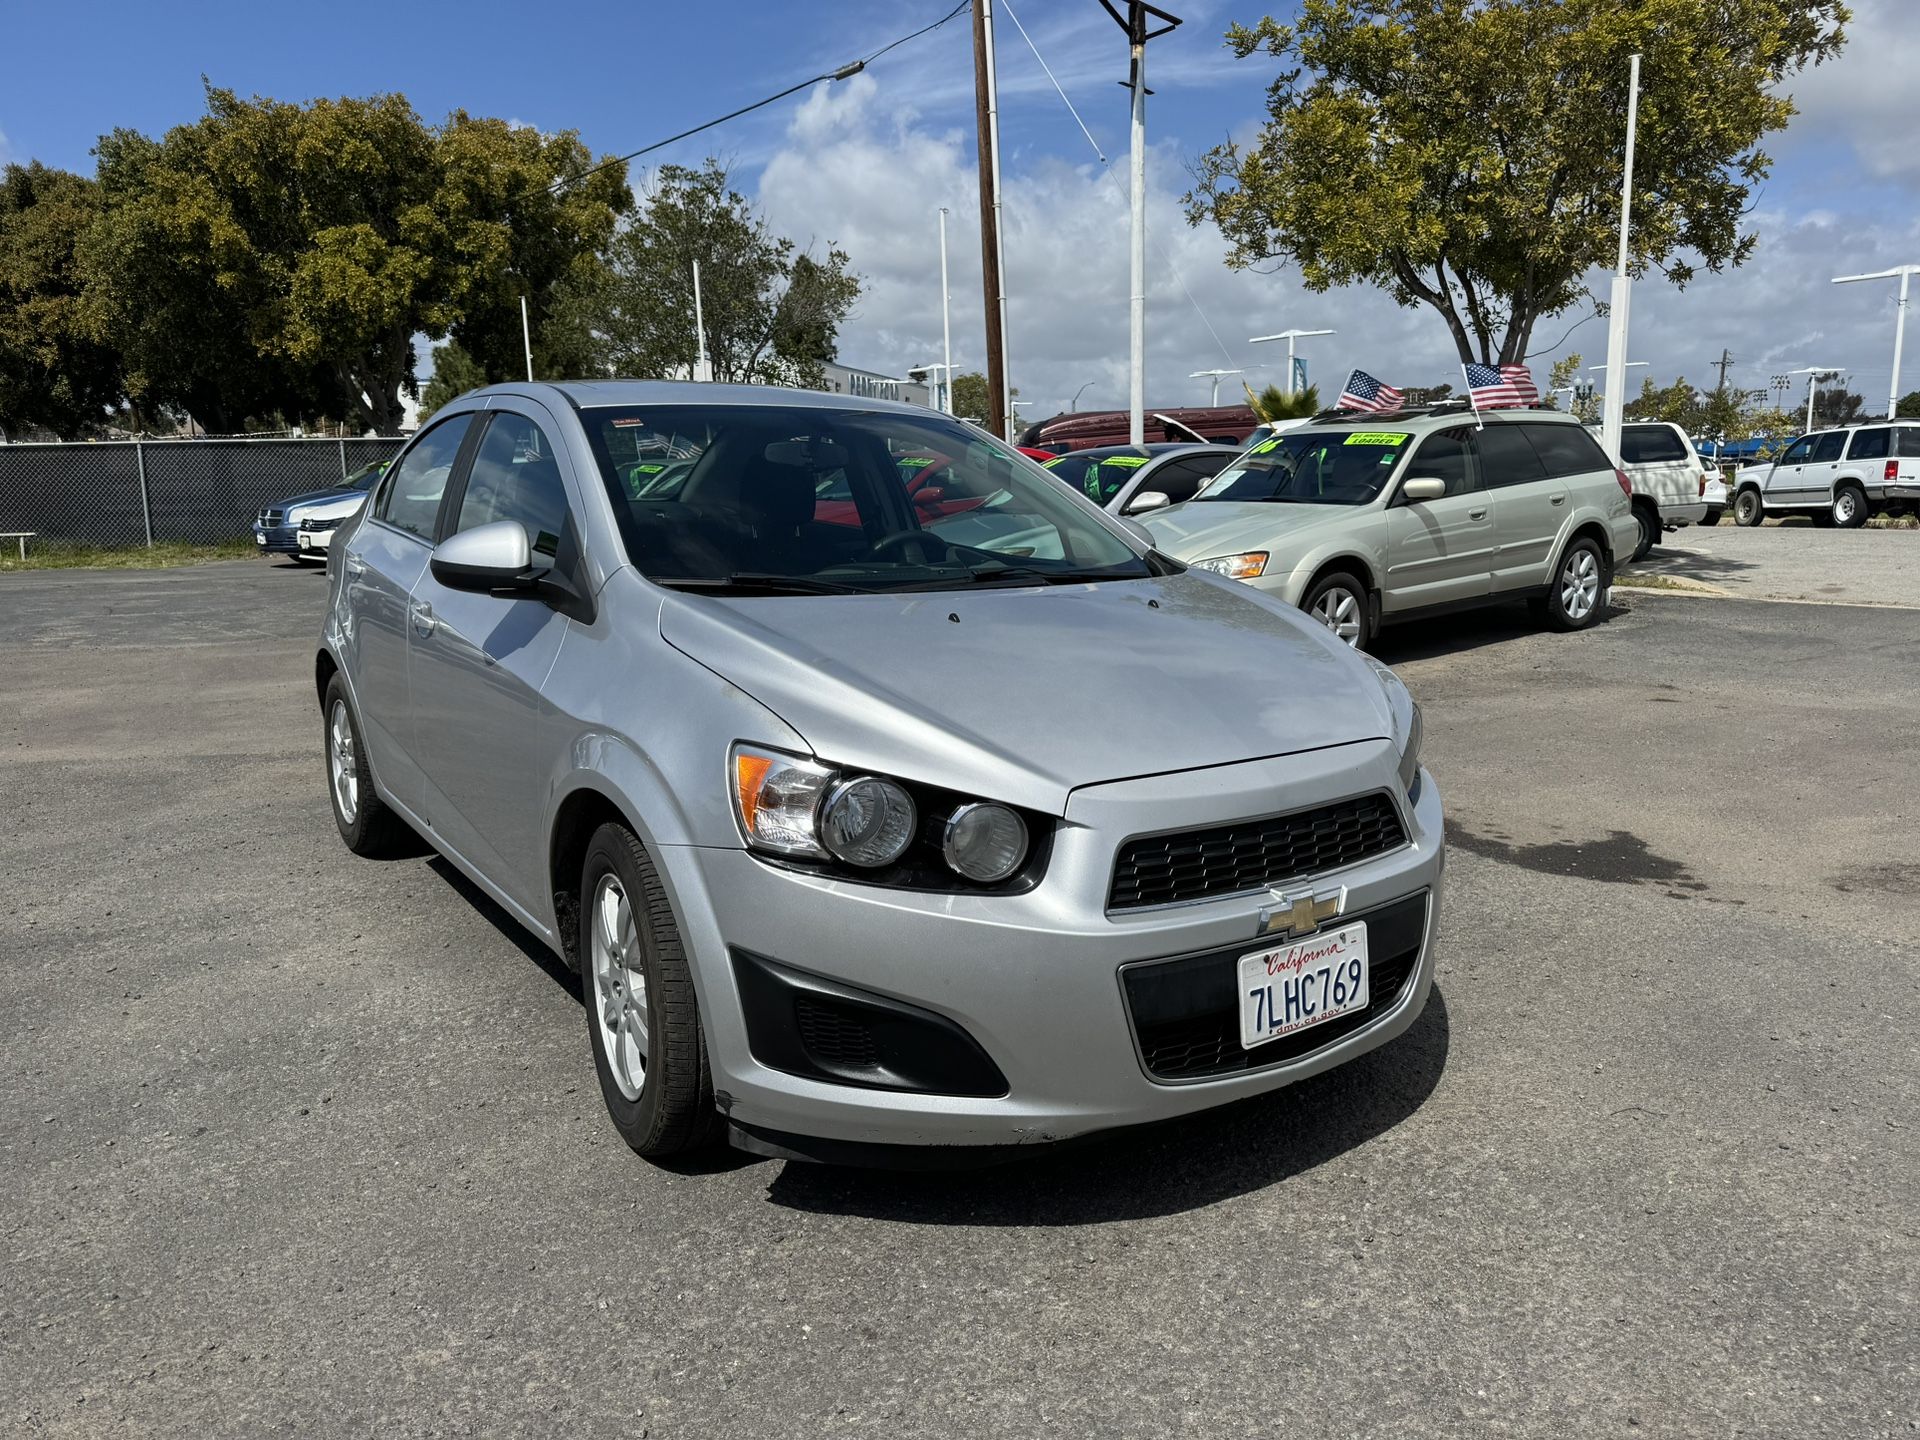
(342, 766)
(1843, 506)
(1339, 610)
(1580, 584)
(1747, 506)
(619, 987)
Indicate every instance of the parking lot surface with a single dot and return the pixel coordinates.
(1793, 561)
(295, 1142)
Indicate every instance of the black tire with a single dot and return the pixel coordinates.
(372, 829)
(1347, 607)
(1582, 562)
(1712, 517)
(1850, 508)
(1748, 509)
(1649, 521)
(673, 1111)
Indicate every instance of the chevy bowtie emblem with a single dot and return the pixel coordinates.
(1301, 912)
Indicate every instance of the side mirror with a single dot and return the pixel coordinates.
(1147, 500)
(1424, 487)
(485, 558)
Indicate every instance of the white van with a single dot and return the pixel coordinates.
(1839, 477)
(1669, 478)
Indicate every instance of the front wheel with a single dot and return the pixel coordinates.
(1747, 509)
(1849, 508)
(1339, 602)
(365, 822)
(643, 1020)
(1579, 586)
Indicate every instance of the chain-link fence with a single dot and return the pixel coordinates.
(137, 492)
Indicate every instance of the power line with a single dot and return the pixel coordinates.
(845, 72)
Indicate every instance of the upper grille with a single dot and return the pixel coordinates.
(1252, 854)
(271, 519)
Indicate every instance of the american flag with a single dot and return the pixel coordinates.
(1506, 388)
(1363, 392)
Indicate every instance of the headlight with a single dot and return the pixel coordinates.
(1407, 726)
(867, 821)
(1248, 565)
(985, 842)
(802, 810)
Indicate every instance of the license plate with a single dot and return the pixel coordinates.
(1294, 987)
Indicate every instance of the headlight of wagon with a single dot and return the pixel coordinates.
(876, 828)
(1248, 565)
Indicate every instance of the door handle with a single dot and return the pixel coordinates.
(423, 620)
(356, 567)
(1479, 514)
(1559, 500)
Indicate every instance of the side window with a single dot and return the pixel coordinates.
(1870, 445)
(515, 477)
(1798, 452)
(1448, 455)
(1567, 450)
(1178, 480)
(1506, 458)
(1906, 442)
(1650, 445)
(1827, 447)
(411, 497)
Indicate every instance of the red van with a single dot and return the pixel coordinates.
(1219, 425)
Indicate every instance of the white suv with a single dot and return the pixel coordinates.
(1839, 477)
(1669, 479)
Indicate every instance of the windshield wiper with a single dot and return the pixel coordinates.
(745, 580)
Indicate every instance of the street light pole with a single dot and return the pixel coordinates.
(1213, 375)
(1074, 404)
(946, 322)
(1906, 273)
(1289, 336)
(1617, 304)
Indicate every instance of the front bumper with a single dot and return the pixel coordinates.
(279, 540)
(1035, 980)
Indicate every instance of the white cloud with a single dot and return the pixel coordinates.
(1864, 97)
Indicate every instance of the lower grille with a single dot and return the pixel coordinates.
(1250, 854)
(1186, 1012)
(834, 1036)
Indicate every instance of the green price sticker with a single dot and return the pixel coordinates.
(1125, 462)
(913, 462)
(1377, 437)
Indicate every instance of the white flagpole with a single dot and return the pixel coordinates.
(1478, 423)
(1344, 389)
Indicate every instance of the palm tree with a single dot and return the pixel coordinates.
(1273, 403)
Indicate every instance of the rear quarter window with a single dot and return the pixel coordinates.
(1566, 449)
(1651, 445)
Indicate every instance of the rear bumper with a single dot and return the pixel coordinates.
(1034, 981)
(1674, 516)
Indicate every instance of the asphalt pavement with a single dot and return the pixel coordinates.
(1792, 561)
(293, 1142)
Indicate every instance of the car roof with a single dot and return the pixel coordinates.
(1441, 414)
(596, 394)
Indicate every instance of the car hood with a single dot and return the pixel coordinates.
(1205, 528)
(1023, 695)
(330, 500)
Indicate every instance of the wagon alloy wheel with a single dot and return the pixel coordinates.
(342, 764)
(1580, 584)
(1339, 602)
(619, 987)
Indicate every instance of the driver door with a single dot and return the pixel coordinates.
(1440, 552)
(1783, 483)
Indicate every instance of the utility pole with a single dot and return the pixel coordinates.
(1622, 285)
(1722, 363)
(946, 322)
(987, 122)
(1135, 24)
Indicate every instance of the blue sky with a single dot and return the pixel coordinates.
(867, 163)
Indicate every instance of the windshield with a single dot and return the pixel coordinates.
(1097, 476)
(1313, 467)
(786, 500)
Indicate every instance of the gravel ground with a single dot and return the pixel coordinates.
(294, 1142)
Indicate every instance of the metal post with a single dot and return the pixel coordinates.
(999, 416)
(526, 338)
(1899, 335)
(146, 510)
(1813, 380)
(1621, 294)
(1137, 260)
(702, 366)
(946, 322)
(343, 457)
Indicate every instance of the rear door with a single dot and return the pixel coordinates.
(385, 557)
(1440, 552)
(478, 661)
(1529, 505)
(1661, 464)
(1822, 467)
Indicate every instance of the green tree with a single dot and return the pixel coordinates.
(1678, 402)
(1909, 406)
(970, 396)
(455, 372)
(1273, 403)
(54, 371)
(1465, 154)
(1837, 406)
(772, 311)
(279, 257)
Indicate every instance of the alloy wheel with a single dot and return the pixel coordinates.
(1580, 584)
(343, 767)
(1338, 608)
(619, 996)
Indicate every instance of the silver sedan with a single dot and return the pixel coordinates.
(873, 812)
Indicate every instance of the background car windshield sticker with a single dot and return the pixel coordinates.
(1377, 437)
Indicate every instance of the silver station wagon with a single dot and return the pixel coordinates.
(1364, 520)
(874, 813)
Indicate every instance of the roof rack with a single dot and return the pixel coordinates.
(1451, 405)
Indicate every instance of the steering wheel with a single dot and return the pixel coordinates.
(899, 539)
